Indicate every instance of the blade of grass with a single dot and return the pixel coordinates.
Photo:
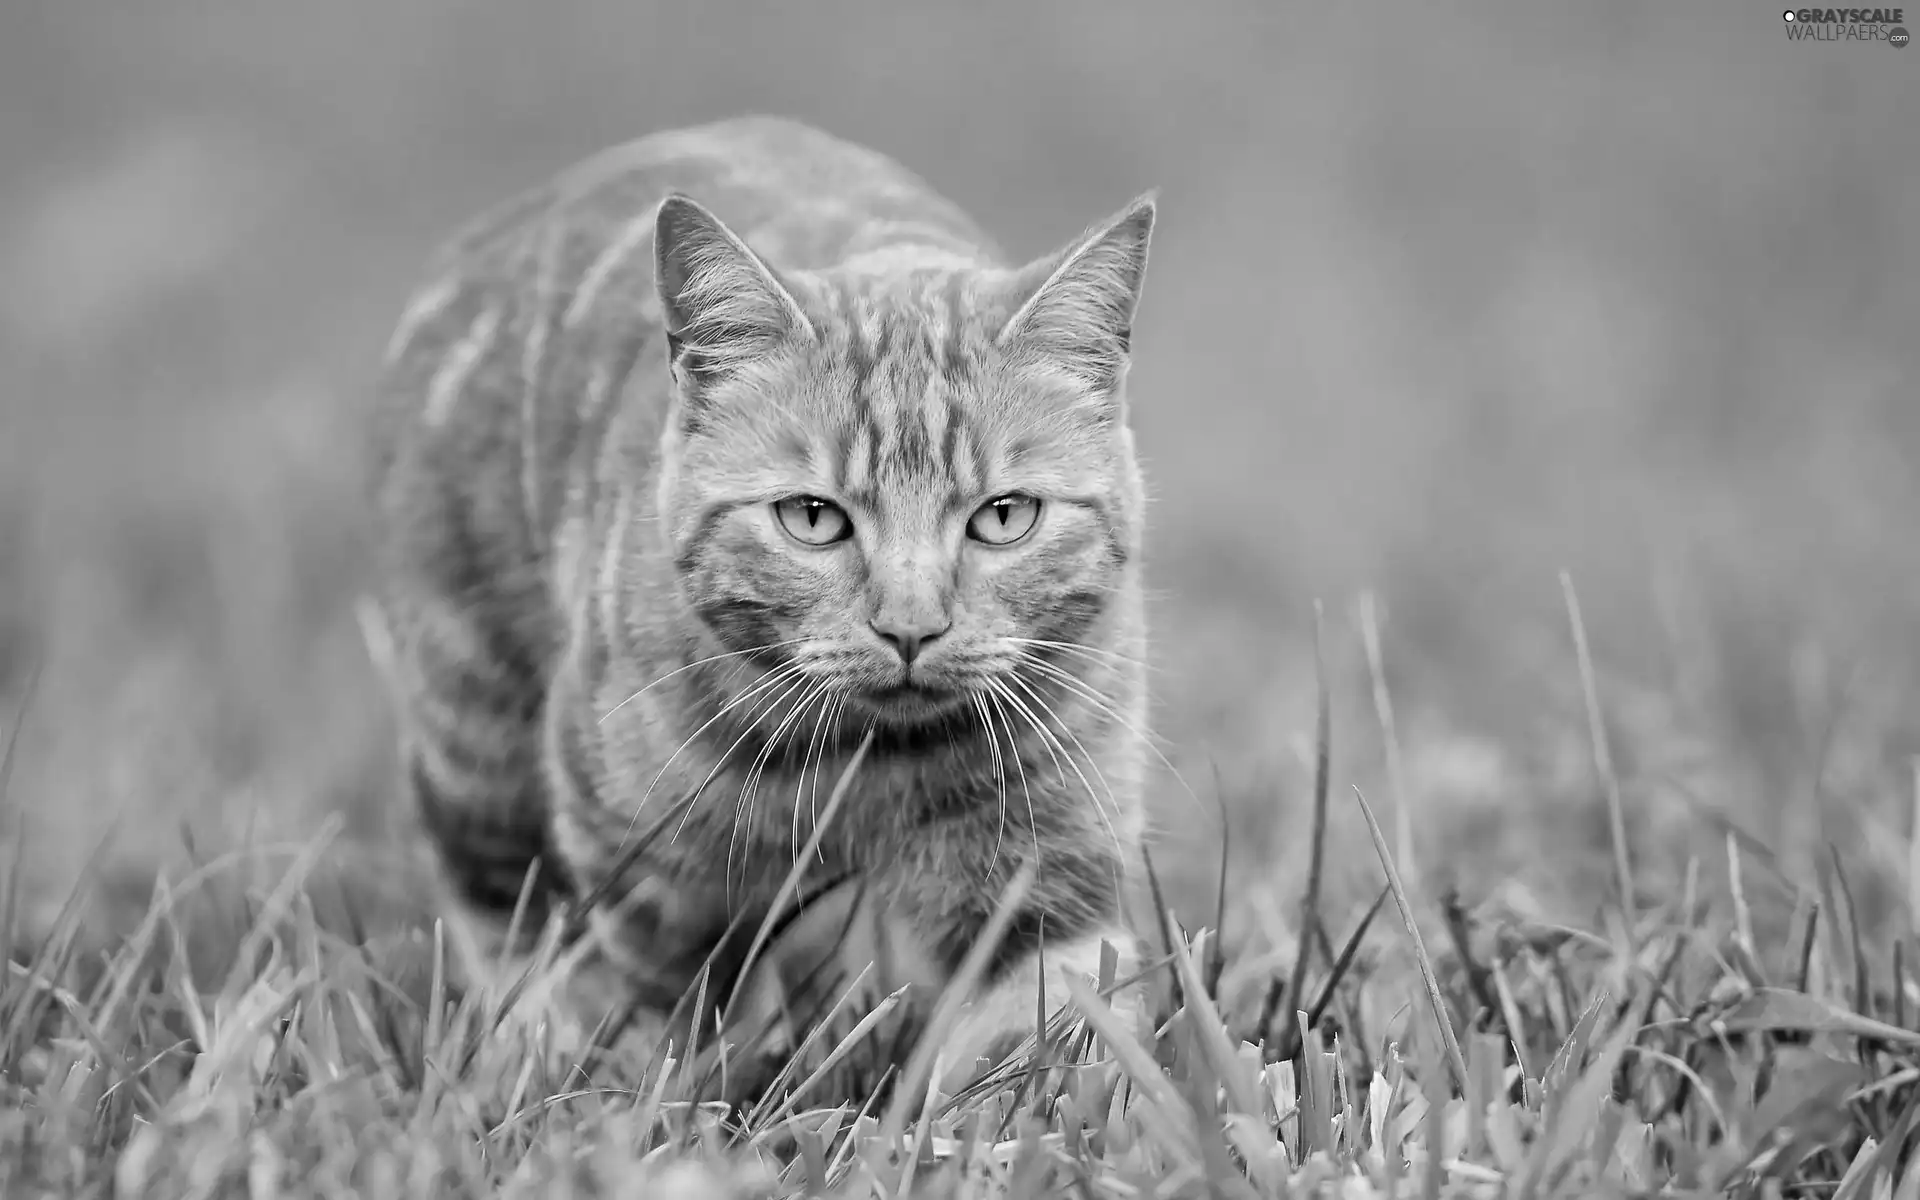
(1477, 973)
(1913, 852)
(1810, 931)
(1582, 1103)
(1210, 1033)
(1516, 1028)
(1345, 960)
(1743, 944)
(280, 900)
(1389, 733)
(1439, 1005)
(1862, 983)
(844, 1047)
(1217, 960)
(1317, 839)
(1602, 756)
(19, 722)
(1157, 1104)
(1164, 922)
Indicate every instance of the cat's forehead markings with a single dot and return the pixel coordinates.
(909, 248)
(868, 345)
(908, 348)
(912, 448)
(852, 459)
(794, 444)
(939, 421)
(954, 437)
(1022, 446)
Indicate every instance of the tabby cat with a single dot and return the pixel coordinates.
(682, 508)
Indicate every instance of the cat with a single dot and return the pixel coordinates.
(730, 455)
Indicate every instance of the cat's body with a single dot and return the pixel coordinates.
(604, 425)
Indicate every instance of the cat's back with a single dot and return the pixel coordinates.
(803, 198)
(529, 320)
(541, 272)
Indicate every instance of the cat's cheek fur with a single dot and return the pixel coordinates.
(791, 591)
(1055, 588)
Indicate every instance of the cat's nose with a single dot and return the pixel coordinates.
(908, 638)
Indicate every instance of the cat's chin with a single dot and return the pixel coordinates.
(910, 705)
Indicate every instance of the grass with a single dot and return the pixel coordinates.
(1670, 1050)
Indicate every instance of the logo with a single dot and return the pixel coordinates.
(1847, 25)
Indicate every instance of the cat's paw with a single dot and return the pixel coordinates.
(1002, 1020)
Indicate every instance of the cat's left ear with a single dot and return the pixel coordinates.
(1079, 302)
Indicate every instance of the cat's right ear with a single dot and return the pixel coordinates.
(723, 305)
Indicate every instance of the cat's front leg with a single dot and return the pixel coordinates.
(859, 943)
(847, 954)
(994, 1021)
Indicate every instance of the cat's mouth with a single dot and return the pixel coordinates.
(910, 701)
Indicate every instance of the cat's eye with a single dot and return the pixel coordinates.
(812, 521)
(1004, 521)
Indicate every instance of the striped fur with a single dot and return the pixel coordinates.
(594, 618)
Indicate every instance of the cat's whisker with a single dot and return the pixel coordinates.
(1066, 727)
(806, 761)
(999, 772)
(1046, 732)
(1100, 699)
(1056, 750)
(760, 687)
(1097, 653)
(750, 789)
(726, 755)
(1105, 705)
(699, 662)
(1082, 690)
(995, 708)
(796, 682)
(773, 744)
(1020, 767)
(743, 804)
(820, 766)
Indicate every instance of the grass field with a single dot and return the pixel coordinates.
(252, 1036)
(1440, 308)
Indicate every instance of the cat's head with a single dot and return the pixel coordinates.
(907, 479)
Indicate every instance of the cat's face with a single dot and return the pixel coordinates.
(903, 486)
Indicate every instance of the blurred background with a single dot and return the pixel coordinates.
(1441, 306)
